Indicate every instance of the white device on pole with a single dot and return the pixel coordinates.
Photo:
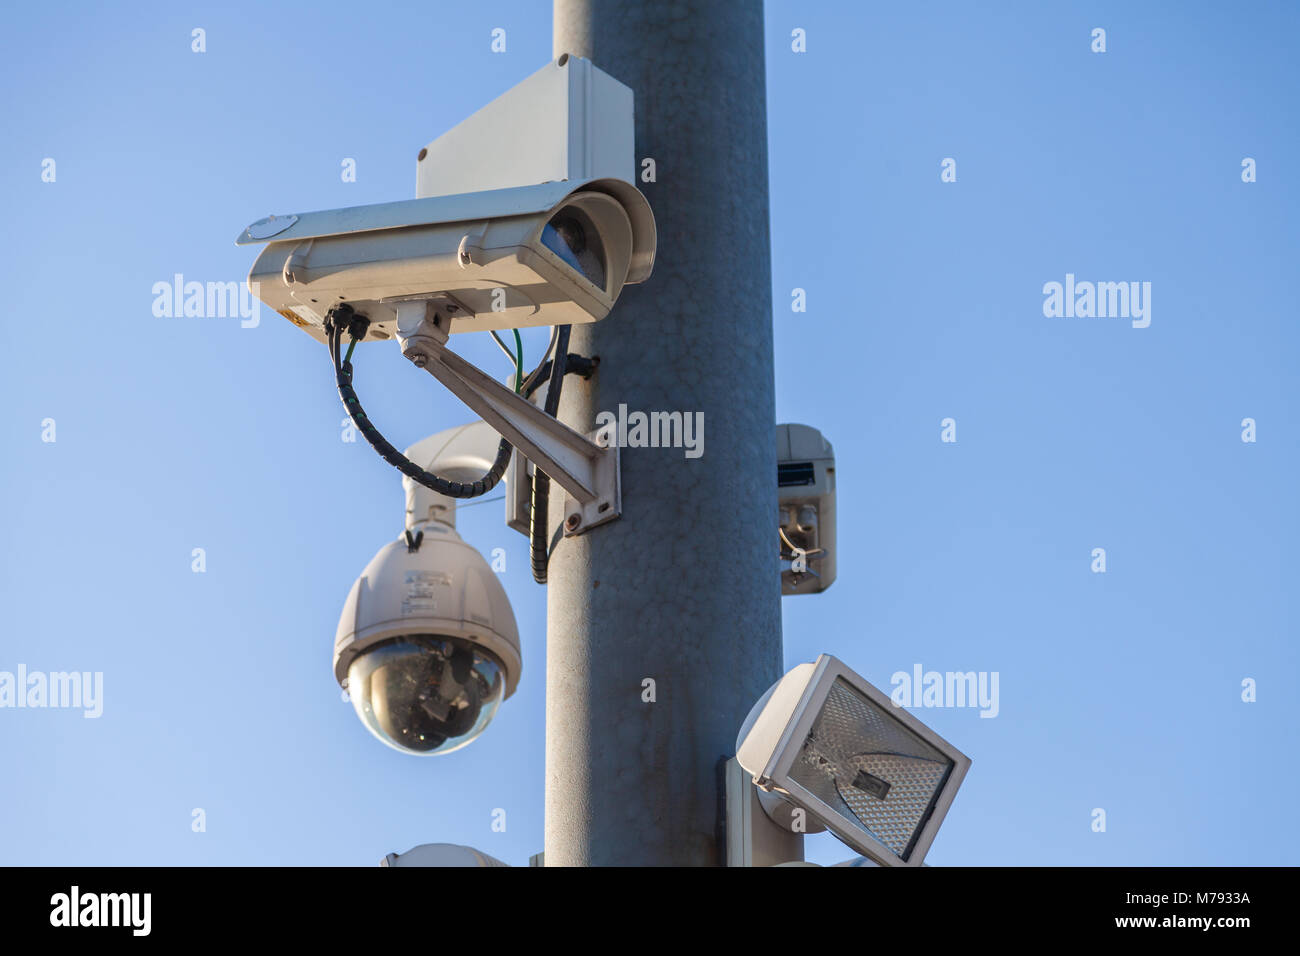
(441, 854)
(548, 254)
(805, 479)
(427, 646)
(526, 214)
(568, 122)
(830, 743)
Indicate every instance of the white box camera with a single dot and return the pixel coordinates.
(484, 249)
(551, 254)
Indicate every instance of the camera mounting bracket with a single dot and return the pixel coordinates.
(588, 471)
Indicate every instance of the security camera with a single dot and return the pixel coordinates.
(557, 253)
(805, 478)
(427, 646)
(526, 215)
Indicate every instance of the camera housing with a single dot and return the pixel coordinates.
(805, 470)
(558, 253)
(427, 646)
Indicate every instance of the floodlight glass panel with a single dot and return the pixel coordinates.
(863, 763)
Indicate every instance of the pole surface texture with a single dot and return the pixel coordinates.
(684, 589)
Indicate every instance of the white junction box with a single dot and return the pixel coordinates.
(568, 121)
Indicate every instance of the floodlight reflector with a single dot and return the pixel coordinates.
(870, 769)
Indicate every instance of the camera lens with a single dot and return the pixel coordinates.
(567, 235)
(426, 694)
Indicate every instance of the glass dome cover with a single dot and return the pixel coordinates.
(426, 694)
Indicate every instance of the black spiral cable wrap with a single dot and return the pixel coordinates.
(541, 491)
(452, 489)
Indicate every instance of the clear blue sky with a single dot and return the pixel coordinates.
(1119, 691)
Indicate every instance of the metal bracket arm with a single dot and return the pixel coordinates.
(587, 471)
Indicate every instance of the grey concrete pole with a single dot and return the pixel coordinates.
(685, 588)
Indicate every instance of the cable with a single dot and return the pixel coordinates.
(356, 328)
(483, 501)
(574, 364)
(795, 549)
(539, 556)
(550, 347)
(516, 357)
(501, 343)
(519, 362)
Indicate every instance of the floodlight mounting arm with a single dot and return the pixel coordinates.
(588, 471)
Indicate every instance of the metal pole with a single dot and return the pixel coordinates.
(685, 588)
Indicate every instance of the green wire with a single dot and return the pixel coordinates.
(519, 362)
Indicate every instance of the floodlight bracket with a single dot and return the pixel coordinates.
(752, 837)
(588, 471)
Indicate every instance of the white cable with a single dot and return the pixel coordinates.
(510, 354)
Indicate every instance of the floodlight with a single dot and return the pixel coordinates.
(830, 743)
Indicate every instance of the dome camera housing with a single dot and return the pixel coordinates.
(427, 646)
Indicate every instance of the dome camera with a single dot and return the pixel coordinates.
(427, 646)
